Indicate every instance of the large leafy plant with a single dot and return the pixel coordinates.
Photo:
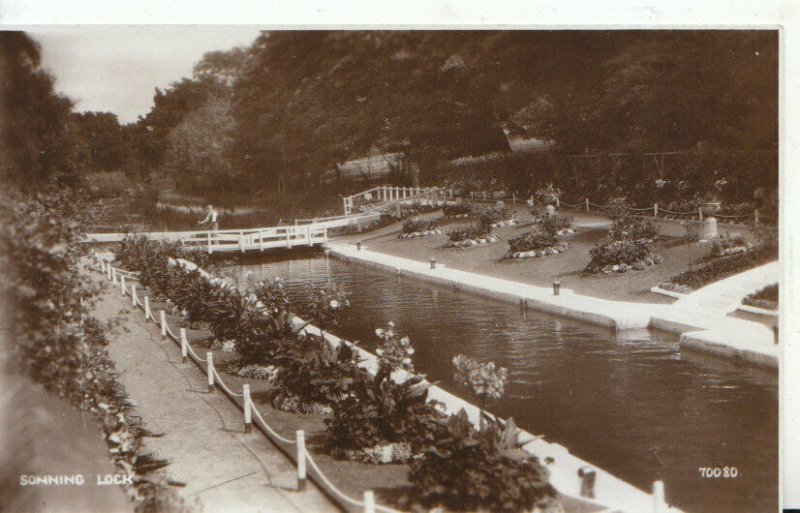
(488, 470)
(377, 410)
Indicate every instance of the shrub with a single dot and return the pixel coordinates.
(111, 184)
(531, 241)
(323, 304)
(468, 232)
(459, 208)
(725, 243)
(768, 298)
(487, 216)
(417, 224)
(485, 471)
(617, 252)
(632, 228)
(555, 223)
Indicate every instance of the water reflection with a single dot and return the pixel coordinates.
(630, 403)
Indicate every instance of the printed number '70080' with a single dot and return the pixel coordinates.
(718, 472)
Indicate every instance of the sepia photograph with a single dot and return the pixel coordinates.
(269, 269)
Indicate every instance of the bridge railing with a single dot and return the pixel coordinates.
(382, 196)
(236, 240)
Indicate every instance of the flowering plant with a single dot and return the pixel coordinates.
(324, 305)
(393, 351)
(486, 381)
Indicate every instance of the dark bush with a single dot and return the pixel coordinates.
(532, 241)
(467, 232)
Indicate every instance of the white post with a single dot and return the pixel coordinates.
(184, 346)
(134, 299)
(325, 234)
(301, 460)
(587, 204)
(655, 210)
(288, 239)
(108, 270)
(208, 236)
(122, 283)
(261, 239)
(241, 241)
(658, 497)
(558, 202)
(755, 217)
(308, 234)
(369, 501)
(210, 371)
(700, 212)
(484, 195)
(163, 323)
(248, 415)
(113, 276)
(147, 313)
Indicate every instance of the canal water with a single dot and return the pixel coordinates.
(631, 404)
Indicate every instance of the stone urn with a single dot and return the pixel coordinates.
(711, 208)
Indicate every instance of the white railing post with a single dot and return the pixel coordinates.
(109, 270)
(301, 460)
(369, 501)
(756, 218)
(308, 234)
(261, 239)
(241, 241)
(248, 414)
(208, 236)
(113, 276)
(122, 284)
(210, 371)
(655, 210)
(184, 346)
(147, 313)
(134, 299)
(558, 202)
(288, 239)
(325, 234)
(700, 212)
(163, 322)
(658, 497)
(587, 204)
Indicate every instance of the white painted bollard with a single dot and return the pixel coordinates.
(301, 460)
(659, 506)
(184, 346)
(700, 212)
(208, 237)
(248, 414)
(113, 276)
(655, 210)
(147, 313)
(134, 299)
(210, 371)
(556, 287)
(122, 283)
(163, 323)
(369, 501)
(108, 270)
(587, 475)
(587, 204)
(358, 245)
(433, 263)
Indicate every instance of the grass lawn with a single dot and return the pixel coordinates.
(488, 259)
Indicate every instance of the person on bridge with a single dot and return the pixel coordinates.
(211, 218)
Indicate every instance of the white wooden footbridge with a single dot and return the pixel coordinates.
(305, 232)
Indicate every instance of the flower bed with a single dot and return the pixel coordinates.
(729, 244)
(494, 217)
(766, 298)
(417, 227)
(458, 210)
(719, 268)
(535, 244)
(469, 235)
(622, 256)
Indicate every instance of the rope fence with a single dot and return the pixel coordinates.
(367, 505)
